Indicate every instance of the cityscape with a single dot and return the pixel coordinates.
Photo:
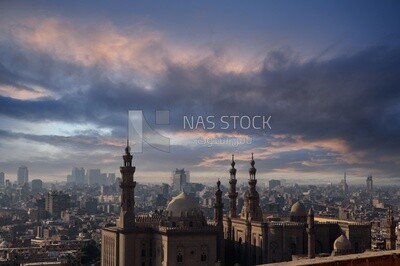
(163, 133)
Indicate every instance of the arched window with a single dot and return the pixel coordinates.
(179, 258)
(203, 257)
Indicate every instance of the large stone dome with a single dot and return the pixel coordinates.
(298, 209)
(182, 204)
(342, 244)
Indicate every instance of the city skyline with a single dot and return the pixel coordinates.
(326, 73)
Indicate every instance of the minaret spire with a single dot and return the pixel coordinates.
(218, 206)
(252, 170)
(218, 219)
(251, 209)
(232, 190)
(127, 214)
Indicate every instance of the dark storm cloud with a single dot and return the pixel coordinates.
(354, 97)
(342, 97)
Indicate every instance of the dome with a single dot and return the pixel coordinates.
(298, 209)
(182, 203)
(342, 244)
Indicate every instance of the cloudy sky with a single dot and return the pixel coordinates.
(328, 74)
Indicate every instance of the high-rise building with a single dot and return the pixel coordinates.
(77, 176)
(2, 176)
(179, 179)
(37, 185)
(22, 176)
(111, 178)
(94, 176)
(56, 202)
(369, 183)
(103, 179)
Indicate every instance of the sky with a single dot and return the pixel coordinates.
(325, 73)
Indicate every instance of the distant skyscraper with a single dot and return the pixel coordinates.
(77, 176)
(22, 176)
(179, 179)
(103, 179)
(94, 176)
(369, 183)
(37, 185)
(2, 179)
(111, 178)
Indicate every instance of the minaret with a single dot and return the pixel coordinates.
(390, 231)
(232, 191)
(218, 206)
(254, 211)
(311, 234)
(127, 214)
(218, 216)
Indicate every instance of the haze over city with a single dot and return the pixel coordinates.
(326, 73)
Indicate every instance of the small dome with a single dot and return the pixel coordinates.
(342, 244)
(182, 203)
(298, 209)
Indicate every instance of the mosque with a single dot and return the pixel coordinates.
(182, 236)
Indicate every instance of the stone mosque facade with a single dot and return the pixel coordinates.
(250, 239)
(182, 236)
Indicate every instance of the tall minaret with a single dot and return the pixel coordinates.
(218, 206)
(127, 215)
(254, 211)
(232, 191)
(311, 234)
(218, 216)
(390, 231)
